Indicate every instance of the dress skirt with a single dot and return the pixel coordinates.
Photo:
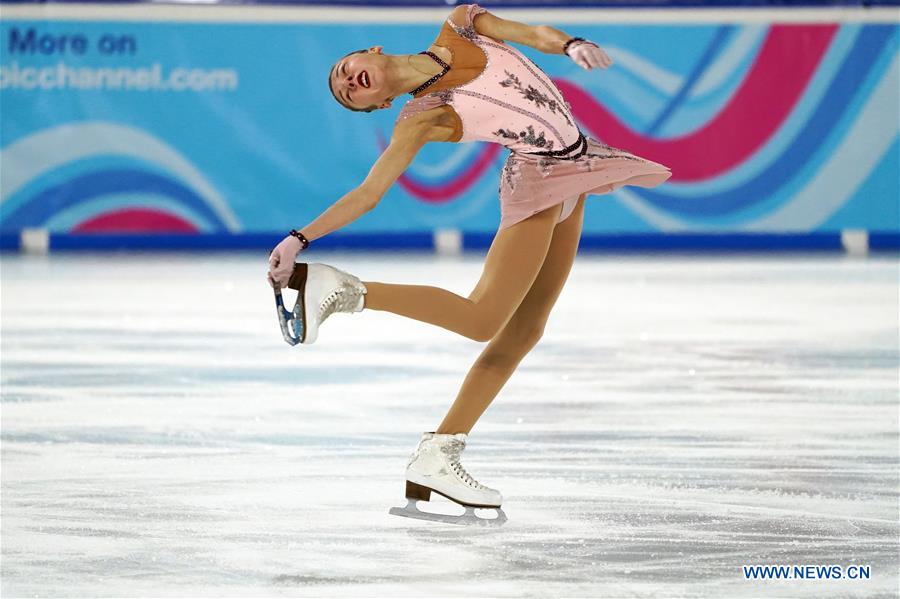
(531, 183)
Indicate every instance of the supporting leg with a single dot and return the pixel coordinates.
(504, 352)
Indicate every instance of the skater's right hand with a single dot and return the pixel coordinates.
(281, 261)
(588, 55)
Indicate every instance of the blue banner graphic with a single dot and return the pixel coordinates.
(113, 126)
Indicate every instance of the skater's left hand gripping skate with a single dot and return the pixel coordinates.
(281, 261)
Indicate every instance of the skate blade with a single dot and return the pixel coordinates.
(469, 518)
(291, 323)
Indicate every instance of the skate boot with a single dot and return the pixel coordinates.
(434, 466)
(322, 290)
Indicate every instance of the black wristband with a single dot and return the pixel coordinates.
(570, 42)
(303, 240)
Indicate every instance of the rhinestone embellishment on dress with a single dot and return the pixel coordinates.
(532, 94)
(512, 172)
(527, 137)
(443, 64)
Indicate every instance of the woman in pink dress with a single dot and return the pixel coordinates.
(470, 85)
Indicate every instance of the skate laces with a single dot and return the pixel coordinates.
(453, 449)
(342, 299)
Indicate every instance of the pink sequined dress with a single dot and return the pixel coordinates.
(498, 95)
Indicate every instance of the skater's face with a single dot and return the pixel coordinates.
(358, 80)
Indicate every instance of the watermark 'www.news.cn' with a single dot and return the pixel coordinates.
(806, 572)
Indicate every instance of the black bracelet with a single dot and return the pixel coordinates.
(570, 42)
(303, 240)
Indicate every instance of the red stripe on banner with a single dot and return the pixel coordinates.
(782, 70)
(135, 220)
(448, 191)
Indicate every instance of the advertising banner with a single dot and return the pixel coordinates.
(112, 126)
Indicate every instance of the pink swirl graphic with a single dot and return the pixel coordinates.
(759, 107)
(135, 220)
(445, 192)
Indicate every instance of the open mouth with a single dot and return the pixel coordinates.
(363, 79)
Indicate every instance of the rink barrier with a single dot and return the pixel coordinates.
(450, 241)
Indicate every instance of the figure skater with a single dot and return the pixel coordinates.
(470, 85)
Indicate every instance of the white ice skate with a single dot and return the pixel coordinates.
(434, 466)
(322, 290)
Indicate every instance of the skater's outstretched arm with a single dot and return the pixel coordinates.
(543, 38)
(409, 136)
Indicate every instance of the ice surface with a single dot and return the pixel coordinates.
(680, 418)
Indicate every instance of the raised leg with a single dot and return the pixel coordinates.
(510, 268)
(504, 352)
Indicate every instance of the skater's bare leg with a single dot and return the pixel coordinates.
(510, 268)
(504, 352)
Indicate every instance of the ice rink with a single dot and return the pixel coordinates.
(681, 418)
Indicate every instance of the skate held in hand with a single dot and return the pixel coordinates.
(322, 290)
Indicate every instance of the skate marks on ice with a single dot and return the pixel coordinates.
(666, 527)
(146, 450)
